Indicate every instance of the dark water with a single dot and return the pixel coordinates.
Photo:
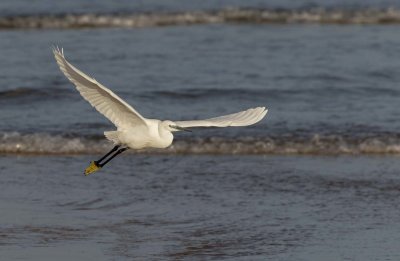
(316, 180)
(201, 208)
(120, 6)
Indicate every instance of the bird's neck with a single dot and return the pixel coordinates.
(166, 137)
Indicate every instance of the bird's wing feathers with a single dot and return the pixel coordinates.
(243, 118)
(104, 100)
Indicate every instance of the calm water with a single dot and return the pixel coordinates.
(201, 208)
(316, 180)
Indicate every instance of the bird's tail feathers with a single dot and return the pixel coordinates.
(112, 136)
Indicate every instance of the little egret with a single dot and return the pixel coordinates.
(133, 130)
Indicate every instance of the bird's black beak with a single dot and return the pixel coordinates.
(179, 128)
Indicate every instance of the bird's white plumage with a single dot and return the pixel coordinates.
(133, 130)
(243, 118)
(104, 100)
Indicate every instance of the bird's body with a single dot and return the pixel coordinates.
(151, 135)
(133, 130)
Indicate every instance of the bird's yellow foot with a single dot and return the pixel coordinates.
(93, 167)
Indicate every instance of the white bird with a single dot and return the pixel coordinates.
(133, 130)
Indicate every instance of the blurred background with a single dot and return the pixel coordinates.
(316, 179)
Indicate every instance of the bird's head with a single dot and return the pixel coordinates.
(172, 126)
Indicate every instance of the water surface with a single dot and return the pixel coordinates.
(316, 180)
(201, 207)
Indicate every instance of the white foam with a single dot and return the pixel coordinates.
(315, 15)
(44, 143)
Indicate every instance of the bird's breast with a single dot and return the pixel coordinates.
(145, 139)
(161, 142)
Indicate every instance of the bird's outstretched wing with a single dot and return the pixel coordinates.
(243, 118)
(103, 99)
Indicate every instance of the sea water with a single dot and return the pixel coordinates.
(317, 179)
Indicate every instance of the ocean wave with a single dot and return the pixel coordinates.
(287, 144)
(240, 15)
(308, 92)
(38, 94)
(191, 93)
(33, 93)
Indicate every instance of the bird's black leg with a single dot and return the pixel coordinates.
(113, 156)
(97, 162)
